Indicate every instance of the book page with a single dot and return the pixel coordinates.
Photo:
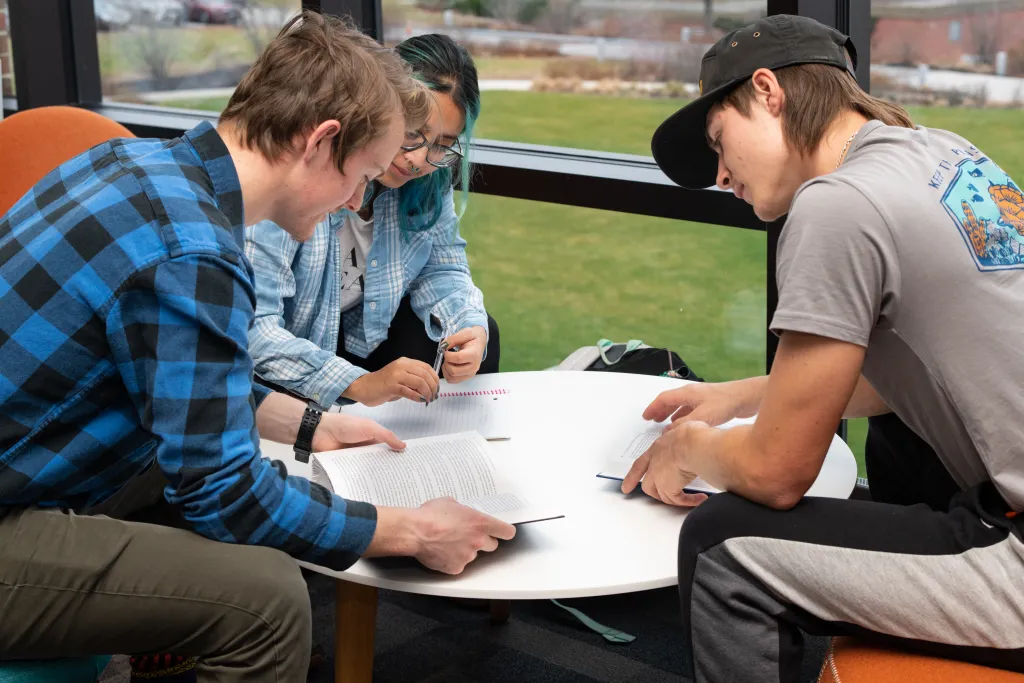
(496, 504)
(514, 509)
(450, 414)
(458, 466)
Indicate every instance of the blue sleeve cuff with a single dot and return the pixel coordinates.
(260, 392)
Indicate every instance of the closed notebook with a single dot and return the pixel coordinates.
(486, 411)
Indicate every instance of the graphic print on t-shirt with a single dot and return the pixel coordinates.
(355, 238)
(353, 275)
(988, 209)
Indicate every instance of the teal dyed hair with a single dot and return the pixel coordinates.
(446, 67)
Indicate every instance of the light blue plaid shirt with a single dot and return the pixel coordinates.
(298, 295)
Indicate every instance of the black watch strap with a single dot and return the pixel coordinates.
(304, 441)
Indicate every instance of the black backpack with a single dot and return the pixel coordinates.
(648, 361)
(633, 357)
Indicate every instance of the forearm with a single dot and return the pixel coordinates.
(299, 365)
(775, 460)
(737, 461)
(751, 393)
(278, 418)
(444, 286)
(726, 458)
(396, 534)
(865, 402)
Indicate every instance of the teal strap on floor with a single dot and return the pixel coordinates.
(610, 634)
(71, 670)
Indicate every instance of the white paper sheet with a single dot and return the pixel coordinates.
(486, 412)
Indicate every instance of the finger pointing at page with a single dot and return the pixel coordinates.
(383, 435)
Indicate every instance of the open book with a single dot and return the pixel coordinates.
(618, 467)
(456, 465)
(484, 411)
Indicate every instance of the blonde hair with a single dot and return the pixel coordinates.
(815, 95)
(320, 68)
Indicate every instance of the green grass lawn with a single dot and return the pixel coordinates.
(612, 124)
(558, 277)
(203, 103)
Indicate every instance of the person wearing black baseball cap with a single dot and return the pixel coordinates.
(901, 288)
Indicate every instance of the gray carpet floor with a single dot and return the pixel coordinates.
(435, 640)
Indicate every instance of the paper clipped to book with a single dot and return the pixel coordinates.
(456, 465)
(486, 411)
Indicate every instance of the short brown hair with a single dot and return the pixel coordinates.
(318, 68)
(815, 95)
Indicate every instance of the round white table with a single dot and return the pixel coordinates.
(566, 426)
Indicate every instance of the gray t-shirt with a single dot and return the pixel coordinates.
(913, 249)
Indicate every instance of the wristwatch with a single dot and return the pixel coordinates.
(304, 441)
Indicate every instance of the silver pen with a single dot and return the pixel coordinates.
(441, 348)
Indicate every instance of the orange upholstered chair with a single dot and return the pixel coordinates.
(36, 141)
(853, 661)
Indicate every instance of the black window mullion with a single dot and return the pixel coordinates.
(367, 14)
(85, 52)
(56, 60)
(41, 46)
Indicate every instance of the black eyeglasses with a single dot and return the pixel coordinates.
(438, 155)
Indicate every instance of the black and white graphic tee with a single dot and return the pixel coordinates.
(356, 236)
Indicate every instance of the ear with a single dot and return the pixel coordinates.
(768, 91)
(319, 140)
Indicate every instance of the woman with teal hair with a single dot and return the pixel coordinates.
(357, 312)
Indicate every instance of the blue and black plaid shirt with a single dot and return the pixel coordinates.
(125, 307)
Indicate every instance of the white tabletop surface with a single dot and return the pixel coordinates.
(567, 424)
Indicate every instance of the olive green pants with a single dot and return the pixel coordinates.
(103, 583)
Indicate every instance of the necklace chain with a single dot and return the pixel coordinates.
(842, 155)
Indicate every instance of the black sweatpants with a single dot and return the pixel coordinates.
(407, 338)
(943, 576)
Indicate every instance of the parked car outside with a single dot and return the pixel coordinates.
(111, 16)
(169, 12)
(212, 11)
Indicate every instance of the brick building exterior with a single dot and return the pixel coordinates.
(955, 36)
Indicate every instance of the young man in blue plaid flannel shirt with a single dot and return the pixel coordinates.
(125, 303)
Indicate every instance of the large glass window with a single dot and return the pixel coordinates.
(956, 65)
(6, 60)
(600, 74)
(559, 277)
(163, 52)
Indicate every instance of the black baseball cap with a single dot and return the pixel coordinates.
(680, 144)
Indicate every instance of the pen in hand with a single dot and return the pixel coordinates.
(441, 348)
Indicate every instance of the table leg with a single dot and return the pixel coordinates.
(354, 629)
(500, 611)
